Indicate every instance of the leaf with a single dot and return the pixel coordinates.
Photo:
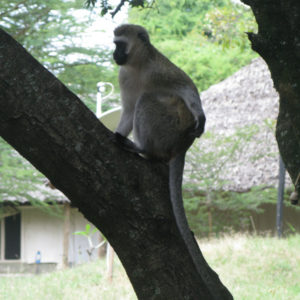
(83, 233)
(87, 228)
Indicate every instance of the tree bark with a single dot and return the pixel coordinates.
(123, 195)
(278, 43)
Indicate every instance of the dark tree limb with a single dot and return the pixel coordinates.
(118, 8)
(123, 195)
(278, 42)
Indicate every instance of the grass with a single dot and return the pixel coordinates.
(251, 267)
(256, 268)
(84, 282)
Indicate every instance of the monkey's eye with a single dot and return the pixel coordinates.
(143, 37)
(121, 46)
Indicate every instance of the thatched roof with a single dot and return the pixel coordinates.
(246, 99)
(42, 193)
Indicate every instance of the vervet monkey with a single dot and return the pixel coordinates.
(162, 106)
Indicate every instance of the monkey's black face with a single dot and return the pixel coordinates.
(120, 55)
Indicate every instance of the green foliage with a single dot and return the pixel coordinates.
(18, 179)
(106, 7)
(88, 232)
(206, 63)
(226, 211)
(172, 19)
(53, 31)
(205, 38)
(41, 26)
(21, 182)
(227, 25)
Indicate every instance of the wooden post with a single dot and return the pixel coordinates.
(67, 210)
(209, 223)
(101, 250)
(280, 198)
(209, 214)
(110, 262)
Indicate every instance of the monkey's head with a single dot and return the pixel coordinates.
(131, 42)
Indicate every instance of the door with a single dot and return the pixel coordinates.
(12, 236)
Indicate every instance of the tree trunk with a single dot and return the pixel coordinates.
(123, 195)
(278, 42)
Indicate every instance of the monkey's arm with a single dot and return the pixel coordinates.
(126, 123)
(180, 84)
(123, 130)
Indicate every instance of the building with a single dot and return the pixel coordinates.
(39, 238)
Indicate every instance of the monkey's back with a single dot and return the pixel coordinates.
(161, 125)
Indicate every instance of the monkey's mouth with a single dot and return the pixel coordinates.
(120, 59)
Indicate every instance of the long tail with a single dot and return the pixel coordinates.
(176, 167)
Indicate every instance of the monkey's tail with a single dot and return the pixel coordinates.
(176, 167)
(175, 186)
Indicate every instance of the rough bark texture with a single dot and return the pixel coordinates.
(123, 195)
(278, 42)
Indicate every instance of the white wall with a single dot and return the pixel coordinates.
(41, 232)
(44, 232)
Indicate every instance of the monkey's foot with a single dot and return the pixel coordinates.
(126, 144)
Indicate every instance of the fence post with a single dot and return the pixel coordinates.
(280, 194)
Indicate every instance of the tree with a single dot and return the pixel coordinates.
(278, 43)
(107, 7)
(123, 195)
(53, 31)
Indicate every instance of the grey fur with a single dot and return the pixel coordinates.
(162, 106)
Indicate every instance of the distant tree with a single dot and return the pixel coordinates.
(211, 34)
(16, 182)
(53, 31)
(107, 7)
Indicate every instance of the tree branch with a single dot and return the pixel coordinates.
(16, 7)
(122, 194)
(118, 8)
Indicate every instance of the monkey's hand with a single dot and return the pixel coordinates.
(125, 143)
(199, 126)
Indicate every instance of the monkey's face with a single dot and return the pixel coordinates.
(120, 54)
(131, 42)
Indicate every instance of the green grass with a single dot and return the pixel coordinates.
(251, 267)
(85, 282)
(257, 267)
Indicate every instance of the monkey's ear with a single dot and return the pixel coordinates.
(143, 36)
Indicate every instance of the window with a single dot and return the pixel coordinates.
(12, 237)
